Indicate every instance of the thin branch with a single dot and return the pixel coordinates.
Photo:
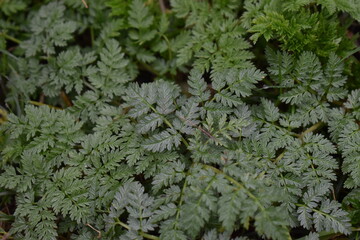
(316, 210)
(181, 197)
(15, 40)
(243, 187)
(117, 221)
(149, 236)
(311, 129)
(145, 235)
(279, 157)
(333, 194)
(8, 53)
(162, 6)
(90, 86)
(99, 233)
(42, 98)
(236, 183)
(84, 2)
(301, 136)
(43, 104)
(66, 99)
(198, 127)
(164, 119)
(147, 67)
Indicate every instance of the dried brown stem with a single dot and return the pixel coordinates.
(99, 233)
(198, 127)
(85, 4)
(42, 98)
(162, 6)
(66, 99)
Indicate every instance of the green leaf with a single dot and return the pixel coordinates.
(165, 140)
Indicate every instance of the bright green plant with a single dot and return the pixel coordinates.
(159, 123)
(301, 25)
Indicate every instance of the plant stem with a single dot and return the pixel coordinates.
(149, 68)
(162, 6)
(315, 210)
(66, 99)
(8, 53)
(92, 36)
(44, 104)
(311, 129)
(149, 236)
(15, 40)
(85, 4)
(98, 232)
(233, 181)
(279, 157)
(165, 120)
(301, 136)
(90, 86)
(145, 235)
(181, 198)
(122, 224)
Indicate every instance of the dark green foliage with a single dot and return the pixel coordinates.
(163, 121)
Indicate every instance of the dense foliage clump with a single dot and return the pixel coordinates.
(181, 119)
